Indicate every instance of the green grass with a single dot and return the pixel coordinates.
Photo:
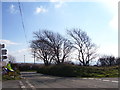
(79, 71)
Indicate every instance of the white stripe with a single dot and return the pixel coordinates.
(21, 84)
(84, 78)
(91, 78)
(96, 79)
(30, 85)
(115, 81)
(106, 80)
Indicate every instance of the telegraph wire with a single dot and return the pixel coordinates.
(23, 25)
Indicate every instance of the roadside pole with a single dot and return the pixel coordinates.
(0, 55)
(24, 58)
(34, 57)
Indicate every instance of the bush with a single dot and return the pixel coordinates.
(28, 67)
(58, 70)
(78, 71)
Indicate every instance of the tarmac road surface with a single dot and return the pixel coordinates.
(34, 80)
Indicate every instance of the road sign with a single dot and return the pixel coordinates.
(4, 57)
(2, 45)
(4, 52)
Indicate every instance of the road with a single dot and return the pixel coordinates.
(34, 80)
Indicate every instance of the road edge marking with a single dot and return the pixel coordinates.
(115, 81)
(21, 84)
(30, 84)
(106, 80)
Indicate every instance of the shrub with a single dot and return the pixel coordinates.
(58, 70)
(78, 71)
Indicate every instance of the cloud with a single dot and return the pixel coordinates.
(110, 49)
(57, 3)
(40, 10)
(13, 9)
(112, 7)
(8, 42)
(19, 55)
(54, 0)
(24, 50)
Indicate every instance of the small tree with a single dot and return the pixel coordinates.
(11, 58)
(118, 61)
(107, 60)
(83, 45)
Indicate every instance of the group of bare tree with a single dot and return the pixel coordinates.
(52, 47)
(108, 60)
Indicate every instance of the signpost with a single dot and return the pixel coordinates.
(3, 52)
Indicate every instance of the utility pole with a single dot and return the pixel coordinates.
(24, 58)
(34, 57)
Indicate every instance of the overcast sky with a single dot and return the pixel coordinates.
(98, 19)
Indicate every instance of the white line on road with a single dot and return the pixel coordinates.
(91, 78)
(84, 78)
(30, 85)
(106, 80)
(21, 84)
(115, 81)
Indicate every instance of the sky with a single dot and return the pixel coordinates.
(98, 18)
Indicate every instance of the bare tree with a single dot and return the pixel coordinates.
(82, 43)
(42, 51)
(117, 61)
(11, 58)
(51, 45)
(107, 60)
(66, 50)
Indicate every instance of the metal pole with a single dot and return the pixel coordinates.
(34, 57)
(24, 58)
(0, 52)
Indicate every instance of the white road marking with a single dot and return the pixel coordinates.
(91, 78)
(30, 85)
(96, 79)
(84, 78)
(115, 81)
(21, 84)
(106, 80)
